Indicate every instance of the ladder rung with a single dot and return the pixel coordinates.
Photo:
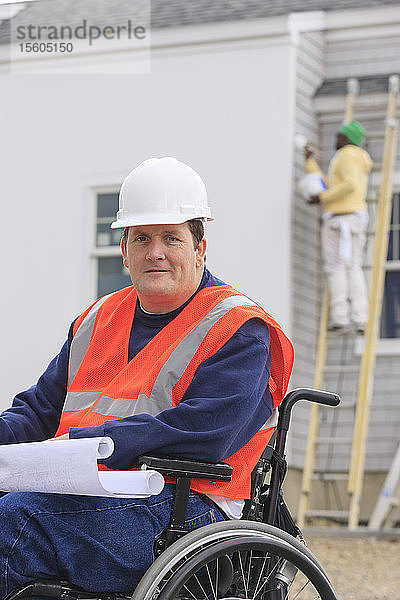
(329, 514)
(323, 476)
(337, 440)
(341, 368)
(376, 135)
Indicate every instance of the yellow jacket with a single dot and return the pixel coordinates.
(347, 180)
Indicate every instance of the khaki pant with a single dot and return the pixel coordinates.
(343, 241)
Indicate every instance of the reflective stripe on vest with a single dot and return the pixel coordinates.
(170, 373)
(125, 408)
(81, 340)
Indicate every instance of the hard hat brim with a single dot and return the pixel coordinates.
(156, 219)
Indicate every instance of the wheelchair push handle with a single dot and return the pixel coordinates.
(318, 396)
(285, 411)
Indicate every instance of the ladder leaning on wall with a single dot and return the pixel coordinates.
(355, 474)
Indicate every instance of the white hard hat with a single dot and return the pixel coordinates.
(161, 191)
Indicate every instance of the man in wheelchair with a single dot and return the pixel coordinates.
(180, 364)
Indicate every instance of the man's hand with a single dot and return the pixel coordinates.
(60, 437)
(314, 200)
(308, 151)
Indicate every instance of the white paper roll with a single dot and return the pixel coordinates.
(137, 483)
(70, 467)
(105, 447)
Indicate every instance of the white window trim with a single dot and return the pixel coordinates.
(93, 252)
(384, 346)
(390, 346)
(105, 251)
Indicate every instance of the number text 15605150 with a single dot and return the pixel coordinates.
(50, 47)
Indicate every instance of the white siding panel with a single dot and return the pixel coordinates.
(369, 56)
(306, 281)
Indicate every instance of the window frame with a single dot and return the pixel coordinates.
(94, 252)
(394, 264)
(385, 346)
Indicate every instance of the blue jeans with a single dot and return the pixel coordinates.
(100, 544)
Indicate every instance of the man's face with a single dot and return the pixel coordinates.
(164, 266)
(341, 140)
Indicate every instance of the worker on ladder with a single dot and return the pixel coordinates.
(344, 224)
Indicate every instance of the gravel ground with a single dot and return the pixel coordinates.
(361, 568)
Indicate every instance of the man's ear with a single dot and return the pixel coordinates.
(201, 252)
(123, 252)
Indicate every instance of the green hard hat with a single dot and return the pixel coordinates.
(354, 132)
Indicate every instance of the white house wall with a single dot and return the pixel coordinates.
(227, 111)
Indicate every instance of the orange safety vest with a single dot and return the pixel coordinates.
(104, 386)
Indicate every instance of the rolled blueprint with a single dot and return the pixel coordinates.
(70, 467)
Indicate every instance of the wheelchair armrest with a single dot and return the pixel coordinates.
(175, 467)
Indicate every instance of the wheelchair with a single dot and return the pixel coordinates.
(262, 556)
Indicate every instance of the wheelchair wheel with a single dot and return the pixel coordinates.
(236, 560)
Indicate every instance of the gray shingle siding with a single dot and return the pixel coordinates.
(179, 12)
(370, 56)
(306, 268)
(192, 12)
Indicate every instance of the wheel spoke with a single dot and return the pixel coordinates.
(267, 577)
(243, 577)
(249, 569)
(216, 578)
(212, 587)
(191, 593)
(260, 576)
(200, 586)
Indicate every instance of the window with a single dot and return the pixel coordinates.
(111, 273)
(390, 323)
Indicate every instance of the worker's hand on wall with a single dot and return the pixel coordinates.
(308, 151)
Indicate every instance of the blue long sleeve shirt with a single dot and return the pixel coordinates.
(226, 403)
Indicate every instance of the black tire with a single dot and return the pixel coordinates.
(242, 559)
